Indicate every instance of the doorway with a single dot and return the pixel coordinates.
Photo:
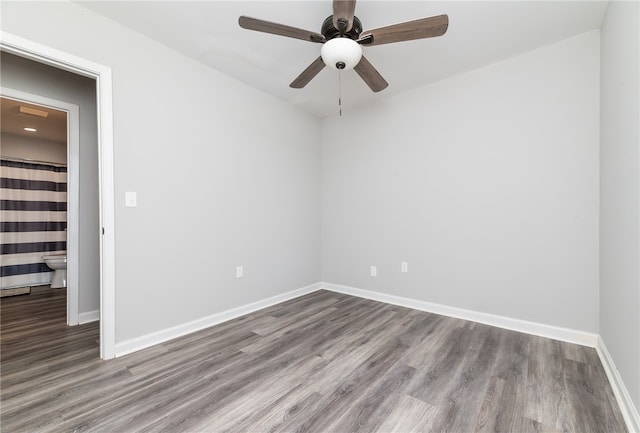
(103, 89)
(44, 133)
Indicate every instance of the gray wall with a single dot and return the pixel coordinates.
(32, 148)
(32, 77)
(620, 192)
(485, 183)
(225, 176)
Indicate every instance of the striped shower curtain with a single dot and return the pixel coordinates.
(33, 204)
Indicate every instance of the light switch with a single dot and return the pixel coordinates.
(130, 199)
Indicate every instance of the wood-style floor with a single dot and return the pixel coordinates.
(324, 362)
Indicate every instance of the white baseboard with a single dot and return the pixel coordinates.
(548, 331)
(139, 343)
(89, 316)
(628, 409)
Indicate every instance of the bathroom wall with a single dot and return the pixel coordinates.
(31, 148)
(32, 77)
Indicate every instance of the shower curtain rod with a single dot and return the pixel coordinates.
(34, 161)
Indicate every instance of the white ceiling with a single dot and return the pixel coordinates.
(479, 33)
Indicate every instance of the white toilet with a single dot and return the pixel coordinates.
(57, 262)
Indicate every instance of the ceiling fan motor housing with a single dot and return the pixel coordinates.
(329, 31)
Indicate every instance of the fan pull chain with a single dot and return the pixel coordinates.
(340, 91)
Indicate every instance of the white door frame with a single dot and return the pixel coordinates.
(73, 190)
(102, 74)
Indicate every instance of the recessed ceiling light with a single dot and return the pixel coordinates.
(30, 129)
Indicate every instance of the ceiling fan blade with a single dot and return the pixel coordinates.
(370, 75)
(308, 74)
(279, 29)
(343, 11)
(417, 29)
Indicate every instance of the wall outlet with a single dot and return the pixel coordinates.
(404, 267)
(239, 271)
(374, 271)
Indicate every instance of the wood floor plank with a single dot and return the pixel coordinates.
(368, 413)
(546, 392)
(434, 377)
(276, 416)
(409, 415)
(321, 362)
(333, 404)
(472, 377)
(281, 389)
(491, 408)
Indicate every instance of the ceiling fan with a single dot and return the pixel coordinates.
(341, 37)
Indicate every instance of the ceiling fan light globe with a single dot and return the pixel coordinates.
(341, 53)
